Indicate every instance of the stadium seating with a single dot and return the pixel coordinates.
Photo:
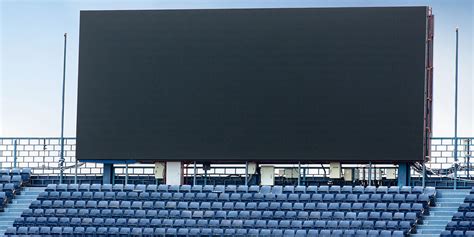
(11, 181)
(183, 210)
(462, 223)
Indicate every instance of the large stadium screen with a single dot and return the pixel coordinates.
(268, 85)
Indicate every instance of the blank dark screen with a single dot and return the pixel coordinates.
(269, 85)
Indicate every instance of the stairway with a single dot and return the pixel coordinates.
(19, 203)
(447, 203)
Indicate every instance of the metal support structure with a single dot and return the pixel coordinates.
(423, 181)
(370, 174)
(194, 173)
(14, 154)
(403, 174)
(246, 173)
(299, 173)
(61, 159)
(75, 172)
(108, 174)
(456, 113)
(205, 176)
(304, 175)
(126, 173)
(468, 158)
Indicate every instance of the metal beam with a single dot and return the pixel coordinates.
(108, 174)
(246, 173)
(403, 174)
(194, 173)
(14, 153)
(456, 113)
(61, 159)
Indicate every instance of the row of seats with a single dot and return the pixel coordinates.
(16, 180)
(459, 216)
(25, 173)
(256, 215)
(469, 198)
(9, 189)
(184, 232)
(190, 223)
(229, 206)
(466, 207)
(248, 197)
(457, 233)
(460, 225)
(10, 184)
(241, 189)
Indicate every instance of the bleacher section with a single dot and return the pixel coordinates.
(462, 223)
(184, 210)
(11, 182)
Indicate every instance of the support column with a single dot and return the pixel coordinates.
(108, 173)
(174, 173)
(403, 174)
(267, 175)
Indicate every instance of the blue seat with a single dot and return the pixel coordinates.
(208, 188)
(65, 196)
(351, 198)
(334, 189)
(445, 233)
(235, 197)
(322, 207)
(242, 189)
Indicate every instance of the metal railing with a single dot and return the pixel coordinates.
(43, 156)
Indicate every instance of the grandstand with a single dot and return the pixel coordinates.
(85, 206)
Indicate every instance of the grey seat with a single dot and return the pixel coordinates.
(196, 188)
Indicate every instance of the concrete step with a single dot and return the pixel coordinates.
(458, 200)
(430, 227)
(26, 197)
(452, 195)
(447, 204)
(436, 218)
(6, 223)
(424, 235)
(436, 222)
(430, 231)
(22, 201)
(437, 209)
(443, 213)
(34, 188)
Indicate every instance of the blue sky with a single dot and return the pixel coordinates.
(31, 44)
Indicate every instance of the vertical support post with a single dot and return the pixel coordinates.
(61, 159)
(205, 176)
(299, 173)
(304, 175)
(370, 174)
(456, 112)
(126, 173)
(423, 181)
(246, 173)
(468, 157)
(194, 173)
(403, 174)
(75, 172)
(14, 153)
(108, 174)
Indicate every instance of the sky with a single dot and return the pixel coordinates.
(31, 57)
